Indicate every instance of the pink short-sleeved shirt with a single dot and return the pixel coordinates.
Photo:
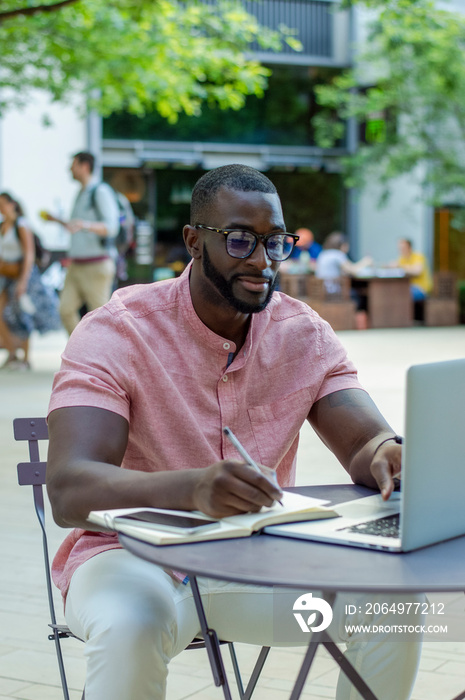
(147, 356)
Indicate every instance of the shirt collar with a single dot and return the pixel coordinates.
(215, 341)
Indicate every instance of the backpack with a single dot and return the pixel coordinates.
(125, 236)
(42, 257)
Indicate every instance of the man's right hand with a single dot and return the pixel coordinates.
(233, 487)
(46, 216)
(82, 474)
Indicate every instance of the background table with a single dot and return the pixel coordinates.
(389, 302)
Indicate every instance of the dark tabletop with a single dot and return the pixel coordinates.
(267, 560)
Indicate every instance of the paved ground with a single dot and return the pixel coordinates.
(28, 669)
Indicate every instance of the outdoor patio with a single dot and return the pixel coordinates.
(28, 668)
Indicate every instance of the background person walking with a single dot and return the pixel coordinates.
(25, 303)
(93, 226)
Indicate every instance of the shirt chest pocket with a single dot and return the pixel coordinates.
(276, 425)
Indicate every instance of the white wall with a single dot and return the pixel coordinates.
(35, 161)
(403, 217)
(451, 5)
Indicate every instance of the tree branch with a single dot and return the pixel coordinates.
(34, 10)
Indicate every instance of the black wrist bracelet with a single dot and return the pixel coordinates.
(397, 438)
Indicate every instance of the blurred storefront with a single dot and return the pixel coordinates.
(156, 163)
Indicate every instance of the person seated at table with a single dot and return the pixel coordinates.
(307, 242)
(333, 262)
(416, 268)
(303, 257)
(136, 414)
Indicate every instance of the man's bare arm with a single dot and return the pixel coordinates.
(87, 446)
(352, 427)
(75, 225)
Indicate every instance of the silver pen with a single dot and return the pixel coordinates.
(243, 452)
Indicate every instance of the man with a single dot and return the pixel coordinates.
(307, 243)
(147, 382)
(334, 262)
(303, 257)
(94, 222)
(416, 268)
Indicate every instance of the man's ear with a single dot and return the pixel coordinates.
(192, 241)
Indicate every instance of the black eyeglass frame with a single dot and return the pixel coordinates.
(263, 239)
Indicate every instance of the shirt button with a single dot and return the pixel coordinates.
(225, 378)
(226, 346)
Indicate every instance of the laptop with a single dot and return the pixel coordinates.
(429, 507)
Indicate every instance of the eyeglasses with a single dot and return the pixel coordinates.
(241, 244)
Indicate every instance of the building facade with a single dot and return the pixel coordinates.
(156, 164)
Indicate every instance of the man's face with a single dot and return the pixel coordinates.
(7, 208)
(404, 248)
(74, 168)
(79, 170)
(245, 284)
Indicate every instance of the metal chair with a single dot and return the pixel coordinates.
(32, 473)
(335, 306)
(441, 308)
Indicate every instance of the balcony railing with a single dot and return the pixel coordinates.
(312, 20)
(318, 25)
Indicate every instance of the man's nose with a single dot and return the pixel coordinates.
(259, 258)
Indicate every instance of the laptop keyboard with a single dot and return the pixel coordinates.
(383, 527)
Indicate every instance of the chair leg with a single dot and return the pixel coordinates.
(247, 693)
(237, 672)
(356, 680)
(460, 697)
(61, 664)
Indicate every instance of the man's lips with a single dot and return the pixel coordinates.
(255, 284)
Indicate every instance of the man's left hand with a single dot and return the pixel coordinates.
(386, 466)
(75, 225)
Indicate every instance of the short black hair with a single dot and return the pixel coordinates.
(86, 157)
(241, 178)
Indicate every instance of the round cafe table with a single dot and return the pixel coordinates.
(267, 560)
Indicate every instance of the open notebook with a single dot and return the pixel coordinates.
(295, 507)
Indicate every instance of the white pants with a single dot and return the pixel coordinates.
(134, 618)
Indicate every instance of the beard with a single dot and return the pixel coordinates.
(225, 287)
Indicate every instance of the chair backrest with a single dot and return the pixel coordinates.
(31, 429)
(293, 285)
(336, 289)
(32, 473)
(445, 285)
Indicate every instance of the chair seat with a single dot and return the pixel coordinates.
(63, 632)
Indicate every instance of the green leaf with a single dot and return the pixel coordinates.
(164, 55)
(417, 53)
